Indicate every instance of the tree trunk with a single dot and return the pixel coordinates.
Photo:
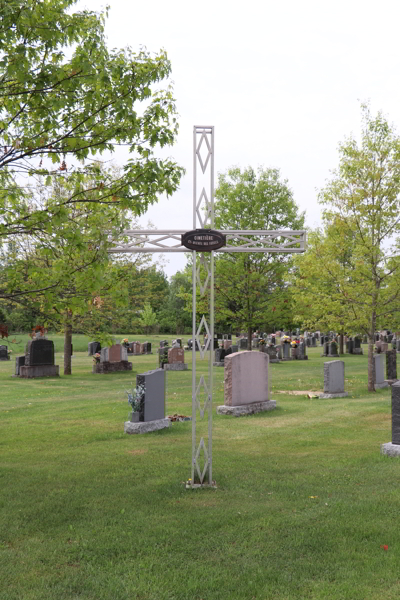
(341, 344)
(249, 338)
(67, 344)
(371, 361)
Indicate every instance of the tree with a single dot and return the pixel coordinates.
(318, 279)
(363, 202)
(252, 289)
(64, 97)
(148, 317)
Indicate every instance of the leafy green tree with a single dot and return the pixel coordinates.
(66, 97)
(252, 288)
(357, 257)
(148, 317)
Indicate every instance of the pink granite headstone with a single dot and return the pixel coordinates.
(176, 355)
(227, 344)
(115, 353)
(246, 378)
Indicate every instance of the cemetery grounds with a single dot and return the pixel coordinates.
(305, 505)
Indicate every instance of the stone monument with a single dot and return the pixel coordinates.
(334, 380)
(39, 360)
(152, 404)
(113, 359)
(246, 384)
(393, 448)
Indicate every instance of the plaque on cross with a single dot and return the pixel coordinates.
(206, 241)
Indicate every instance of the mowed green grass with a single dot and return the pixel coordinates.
(303, 506)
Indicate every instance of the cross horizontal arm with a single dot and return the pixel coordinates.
(257, 240)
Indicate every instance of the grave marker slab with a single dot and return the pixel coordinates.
(246, 385)
(4, 353)
(391, 365)
(176, 360)
(39, 360)
(334, 380)
(380, 371)
(152, 409)
(113, 359)
(393, 448)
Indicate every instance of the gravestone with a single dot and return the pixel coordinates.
(333, 349)
(334, 380)
(93, 348)
(39, 360)
(380, 371)
(384, 347)
(176, 360)
(350, 346)
(219, 357)
(246, 385)
(391, 365)
(19, 362)
(243, 343)
(272, 353)
(130, 348)
(302, 351)
(152, 406)
(313, 341)
(308, 342)
(286, 351)
(4, 353)
(357, 345)
(325, 351)
(393, 448)
(227, 344)
(279, 351)
(113, 359)
(163, 343)
(294, 352)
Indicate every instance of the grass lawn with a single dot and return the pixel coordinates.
(304, 504)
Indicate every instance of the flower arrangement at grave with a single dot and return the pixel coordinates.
(294, 343)
(135, 396)
(261, 342)
(38, 332)
(285, 339)
(125, 342)
(96, 358)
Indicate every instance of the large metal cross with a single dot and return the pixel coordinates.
(204, 240)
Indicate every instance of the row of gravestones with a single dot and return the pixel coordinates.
(131, 348)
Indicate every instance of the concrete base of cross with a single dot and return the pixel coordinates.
(390, 449)
(246, 409)
(146, 426)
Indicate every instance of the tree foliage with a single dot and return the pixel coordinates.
(357, 257)
(251, 288)
(65, 97)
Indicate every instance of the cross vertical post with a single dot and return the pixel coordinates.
(203, 216)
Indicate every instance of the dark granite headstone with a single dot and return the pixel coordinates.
(396, 413)
(153, 398)
(93, 348)
(220, 354)
(19, 362)
(391, 364)
(243, 343)
(333, 349)
(39, 352)
(351, 346)
(4, 353)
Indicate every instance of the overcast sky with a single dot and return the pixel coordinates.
(281, 82)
